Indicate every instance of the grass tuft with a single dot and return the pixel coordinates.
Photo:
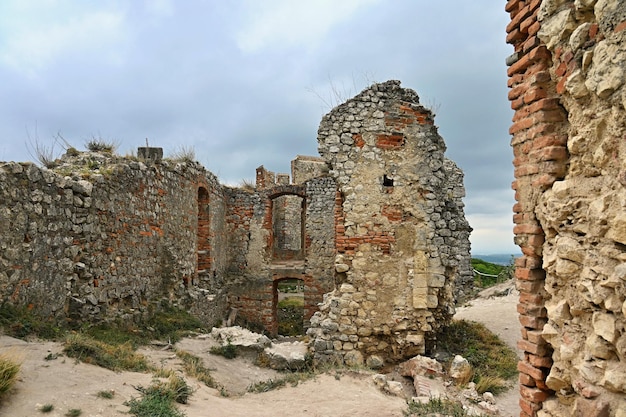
(229, 351)
(46, 408)
(247, 185)
(436, 407)
(107, 394)
(101, 145)
(9, 368)
(169, 324)
(114, 357)
(73, 412)
(491, 359)
(291, 378)
(184, 154)
(194, 367)
(158, 399)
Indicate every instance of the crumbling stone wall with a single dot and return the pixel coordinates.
(402, 239)
(102, 237)
(567, 89)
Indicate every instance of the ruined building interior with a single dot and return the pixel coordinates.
(373, 229)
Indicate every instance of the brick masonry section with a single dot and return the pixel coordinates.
(566, 79)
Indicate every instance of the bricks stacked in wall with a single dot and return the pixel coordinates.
(568, 92)
(539, 159)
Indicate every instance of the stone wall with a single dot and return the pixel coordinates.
(402, 239)
(567, 89)
(101, 237)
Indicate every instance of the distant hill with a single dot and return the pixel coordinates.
(498, 258)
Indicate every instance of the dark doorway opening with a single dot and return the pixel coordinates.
(289, 306)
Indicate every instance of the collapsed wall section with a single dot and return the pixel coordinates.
(401, 235)
(567, 89)
(101, 238)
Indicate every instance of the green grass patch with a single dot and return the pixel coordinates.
(297, 302)
(492, 360)
(170, 324)
(46, 408)
(73, 412)
(9, 368)
(158, 399)
(20, 322)
(502, 273)
(115, 357)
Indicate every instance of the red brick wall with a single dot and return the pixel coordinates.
(540, 155)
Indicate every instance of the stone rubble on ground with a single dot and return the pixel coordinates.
(240, 337)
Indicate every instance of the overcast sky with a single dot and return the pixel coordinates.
(246, 82)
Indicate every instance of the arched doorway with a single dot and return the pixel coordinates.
(288, 306)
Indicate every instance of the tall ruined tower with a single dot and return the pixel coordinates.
(402, 240)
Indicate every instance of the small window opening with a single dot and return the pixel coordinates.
(387, 182)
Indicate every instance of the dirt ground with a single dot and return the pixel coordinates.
(66, 384)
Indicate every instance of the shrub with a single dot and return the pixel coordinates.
(290, 312)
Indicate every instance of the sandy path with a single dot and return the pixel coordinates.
(498, 314)
(67, 384)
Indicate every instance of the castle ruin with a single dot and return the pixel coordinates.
(374, 230)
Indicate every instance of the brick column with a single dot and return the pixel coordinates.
(540, 154)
